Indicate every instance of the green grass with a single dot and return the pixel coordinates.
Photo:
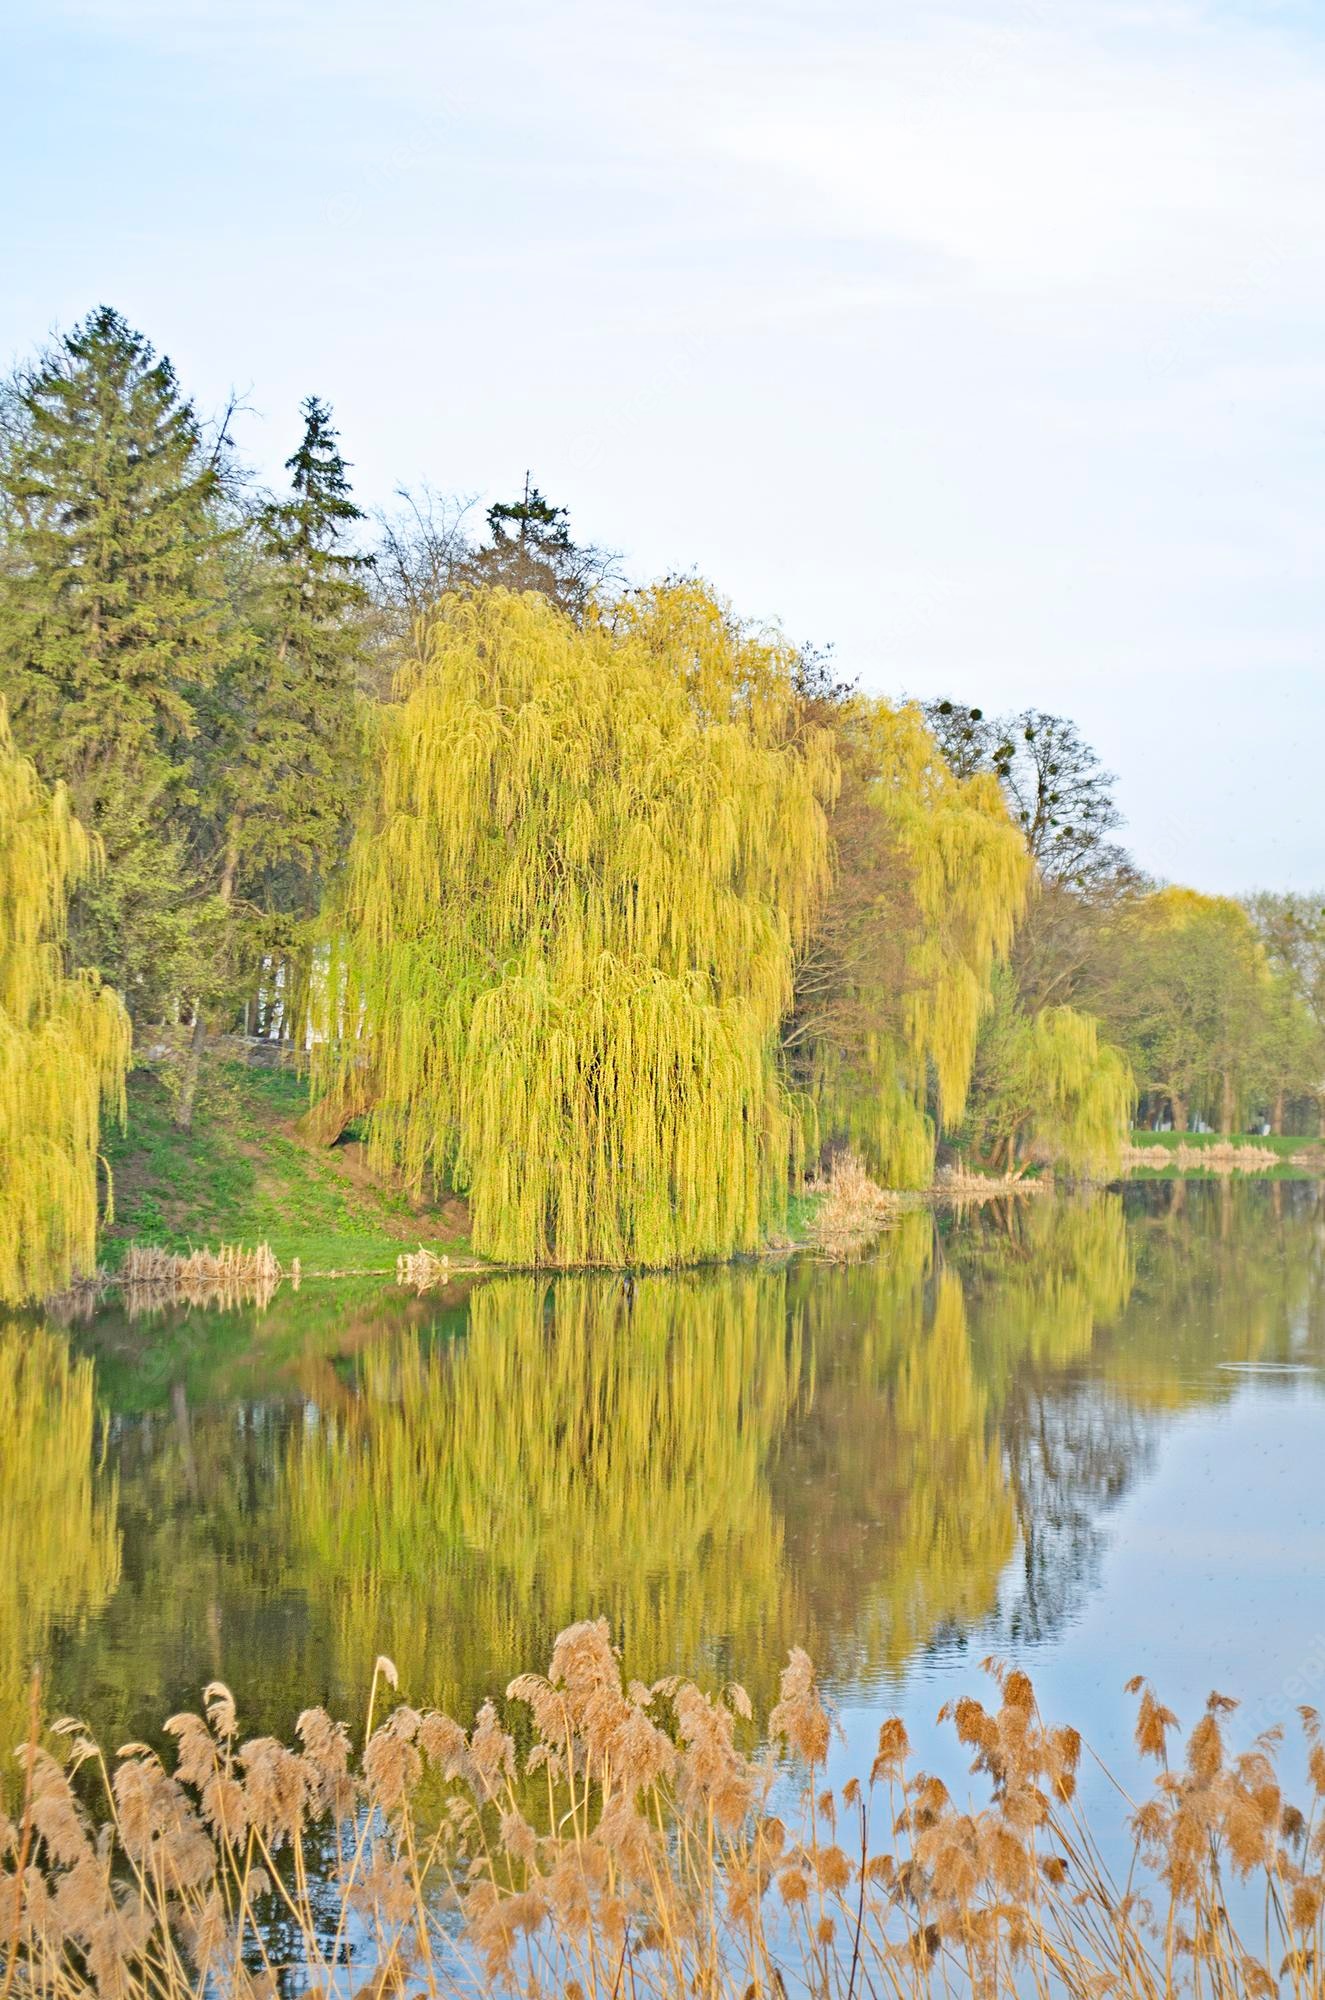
(801, 1211)
(1286, 1147)
(243, 1175)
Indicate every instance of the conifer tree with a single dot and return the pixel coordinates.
(530, 547)
(113, 622)
(279, 778)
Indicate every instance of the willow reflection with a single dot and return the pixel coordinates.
(59, 1544)
(721, 1463)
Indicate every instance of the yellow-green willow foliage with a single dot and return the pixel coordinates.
(568, 935)
(1047, 1086)
(965, 872)
(1043, 1279)
(1232, 1271)
(64, 1042)
(589, 1446)
(59, 1545)
(1082, 1091)
(914, 1526)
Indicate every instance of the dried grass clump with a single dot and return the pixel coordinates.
(960, 1183)
(421, 1270)
(1224, 1158)
(854, 1209)
(635, 1848)
(231, 1276)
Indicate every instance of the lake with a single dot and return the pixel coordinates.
(1083, 1433)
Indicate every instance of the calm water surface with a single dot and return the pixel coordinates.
(1088, 1435)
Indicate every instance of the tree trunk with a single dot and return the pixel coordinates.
(188, 1079)
(1179, 1106)
(1277, 1115)
(188, 1083)
(1227, 1104)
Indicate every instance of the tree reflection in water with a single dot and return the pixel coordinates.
(871, 1460)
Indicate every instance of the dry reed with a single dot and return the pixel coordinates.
(961, 1183)
(228, 1277)
(420, 1270)
(1222, 1158)
(634, 1848)
(854, 1209)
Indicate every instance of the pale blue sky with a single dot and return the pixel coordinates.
(984, 340)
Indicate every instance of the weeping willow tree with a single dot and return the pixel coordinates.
(568, 932)
(64, 1041)
(931, 876)
(59, 1544)
(1048, 1086)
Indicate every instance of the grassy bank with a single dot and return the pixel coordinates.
(1286, 1148)
(245, 1174)
(1184, 1155)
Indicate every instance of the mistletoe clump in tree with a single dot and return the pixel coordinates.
(568, 932)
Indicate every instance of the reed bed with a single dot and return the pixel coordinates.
(422, 1270)
(854, 1210)
(1224, 1158)
(227, 1277)
(960, 1183)
(599, 1838)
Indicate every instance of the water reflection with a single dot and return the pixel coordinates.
(879, 1461)
(59, 1548)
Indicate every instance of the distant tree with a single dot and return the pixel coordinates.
(1061, 796)
(1292, 930)
(114, 623)
(424, 549)
(1057, 789)
(1190, 998)
(929, 877)
(1046, 1085)
(530, 548)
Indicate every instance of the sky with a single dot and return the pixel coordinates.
(983, 341)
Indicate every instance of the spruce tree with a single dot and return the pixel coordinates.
(113, 623)
(279, 781)
(530, 548)
(284, 716)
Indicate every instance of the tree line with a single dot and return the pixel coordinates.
(285, 733)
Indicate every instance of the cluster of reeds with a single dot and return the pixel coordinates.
(631, 1846)
(422, 1269)
(962, 1183)
(227, 1277)
(1221, 1158)
(853, 1211)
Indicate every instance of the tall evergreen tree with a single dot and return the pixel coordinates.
(113, 623)
(284, 717)
(530, 548)
(281, 739)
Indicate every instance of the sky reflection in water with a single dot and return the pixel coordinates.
(1086, 1434)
